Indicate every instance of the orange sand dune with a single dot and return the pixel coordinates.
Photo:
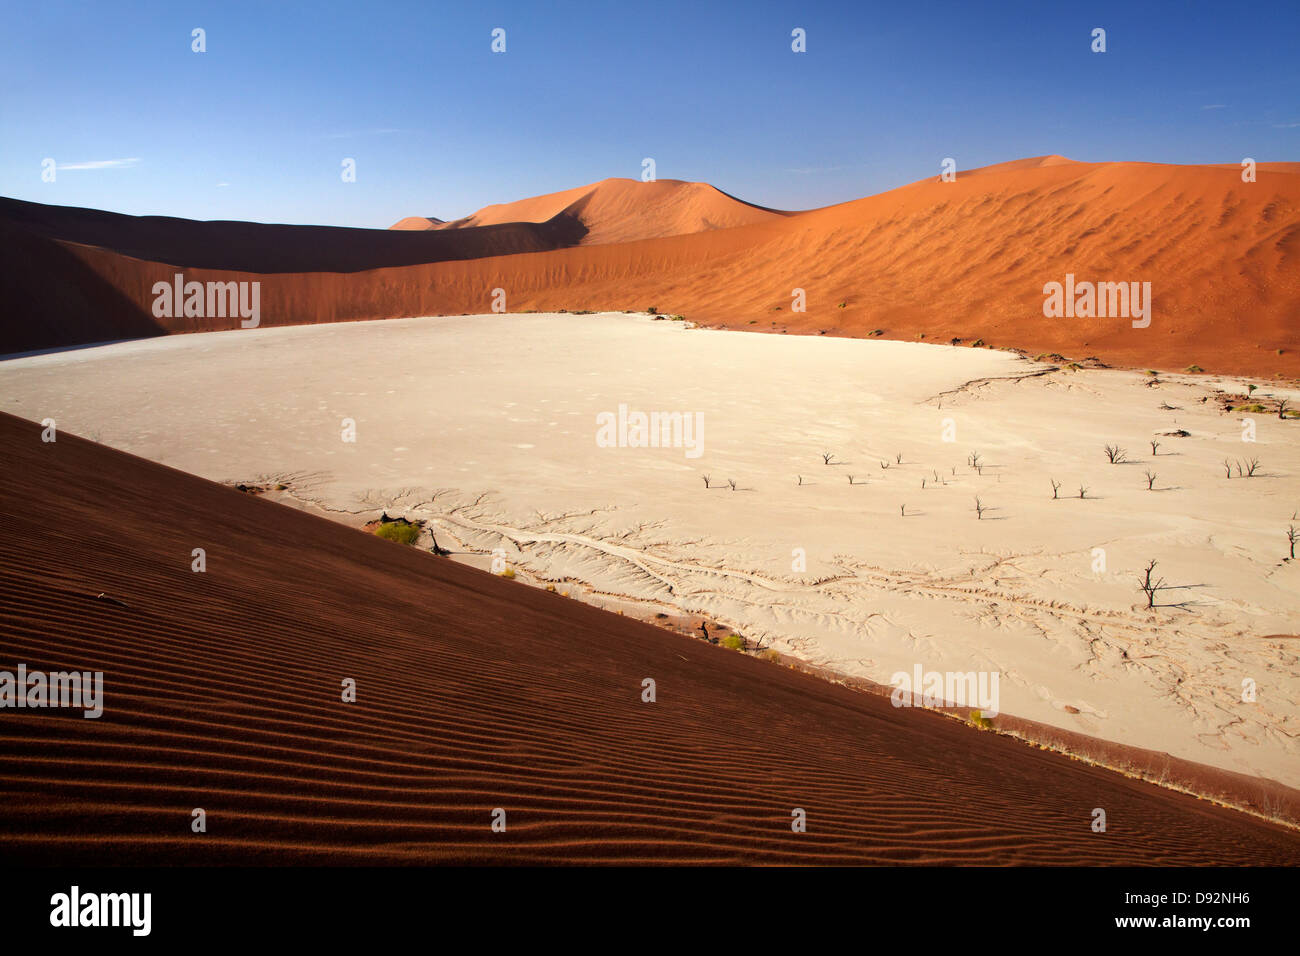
(222, 691)
(621, 210)
(940, 260)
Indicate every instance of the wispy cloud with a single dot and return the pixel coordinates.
(101, 164)
(1285, 125)
(219, 185)
(1215, 106)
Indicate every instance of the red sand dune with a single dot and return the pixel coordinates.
(621, 210)
(966, 259)
(222, 692)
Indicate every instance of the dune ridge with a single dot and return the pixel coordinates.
(222, 691)
(963, 260)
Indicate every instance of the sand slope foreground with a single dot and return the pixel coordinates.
(222, 691)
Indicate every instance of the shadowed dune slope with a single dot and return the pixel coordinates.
(272, 248)
(222, 692)
(622, 210)
(966, 259)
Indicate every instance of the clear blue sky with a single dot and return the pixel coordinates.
(256, 127)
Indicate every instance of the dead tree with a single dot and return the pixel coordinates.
(979, 510)
(1116, 454)
(1150, 585)
(1291, 535)
(1151, 480)
(826, 457)
(1154, 445)
(1056, 486)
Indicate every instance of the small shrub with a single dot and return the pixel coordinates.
(653, 310)
(508, 574)
(401, 533)
(734, 642)
(771, 655)
(1194, 368)
(977, 719)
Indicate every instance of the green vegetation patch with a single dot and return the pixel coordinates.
(401, 532)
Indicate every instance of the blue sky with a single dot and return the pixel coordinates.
(257, 127)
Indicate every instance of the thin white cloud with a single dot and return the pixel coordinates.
(101, 164)
(1215, 106)
(1285, 125)
(219, 185)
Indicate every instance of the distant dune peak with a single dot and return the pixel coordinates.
(620, 210)
(416, 223)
